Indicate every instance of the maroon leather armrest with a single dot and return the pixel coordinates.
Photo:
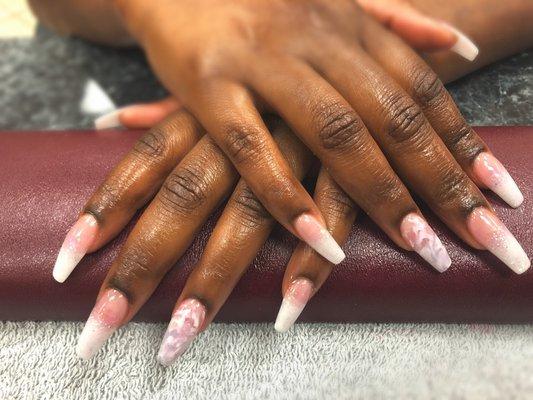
(46, 177)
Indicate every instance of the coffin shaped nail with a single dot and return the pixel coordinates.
(488, 230)
(294, 301)
(493, 174)
(464, 46)
(318, 238)
(108, 313)
(109, 120)
(184, 326)
(416, 231)
(78, 240)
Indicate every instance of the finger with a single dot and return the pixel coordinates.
(127, 188)
(227, 112)
(307, 270)
(240, 232)
(335, 133)
(417, 152)
(138, 116)
(418, 30)
(423, 85)
(163, 233)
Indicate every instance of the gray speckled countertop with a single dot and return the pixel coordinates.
(42, 81)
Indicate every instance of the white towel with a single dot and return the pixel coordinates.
(251, 361)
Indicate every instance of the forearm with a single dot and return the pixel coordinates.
(95, 20)
(499, 28)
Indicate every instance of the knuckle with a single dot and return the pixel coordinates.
(454, 184)
(335, 202)
(249, 210)
(463, 142)
(243, 143)
(153, 144)
(340, 128)
(406, 122)
(428, 89)
(185, 189)
(387, 189)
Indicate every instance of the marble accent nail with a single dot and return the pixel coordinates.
(312, 232)
(183, 327)
(464, 46)
(493, 174)
(294, 301)
(488, 230)
(78, 240)
(416, 231)
(107, 315)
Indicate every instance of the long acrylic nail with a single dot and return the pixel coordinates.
(464, 46)
(78, 240)
(488, 230)
(182, 329)
(318, 238)
(294, 301)
(106, 316)
(493, 174)
(109, 120)
(416, 231)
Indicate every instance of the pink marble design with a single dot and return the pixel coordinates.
(493, 174)
(416, 231)
(78, 240)
(312, 232)
(107, 315)
(488, 230)
(294, 301)
(184, 325)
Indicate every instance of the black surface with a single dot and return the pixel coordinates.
(42, 81)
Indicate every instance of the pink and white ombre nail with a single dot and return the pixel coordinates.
(488, 230)
(294, 301)
(107, 315)
(464, 46)
(78, 240)
(416, 231)
(183, 327)
(493, 174)
(312, 232)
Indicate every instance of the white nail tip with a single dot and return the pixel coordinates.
(294, 301)
(319, 238)
(65, 264)
(464, 46)
(108, 121)
(92, 338)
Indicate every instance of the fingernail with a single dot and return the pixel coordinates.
(493, 174)
(464, 46)
(182, 329)
(109, 120)
(318, 238)
(108, 313)
(294, 301)
(78, 240)
(488, 230)
(416, 231)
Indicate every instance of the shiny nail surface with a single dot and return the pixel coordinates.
(78, 240)
(294, 301)
(106, 316)
(318, 238)
(109, 120)
(493, 174)
(464, 46)
(183, 327)
(417, 232)
(488, 230)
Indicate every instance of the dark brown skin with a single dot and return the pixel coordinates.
(321, 90)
